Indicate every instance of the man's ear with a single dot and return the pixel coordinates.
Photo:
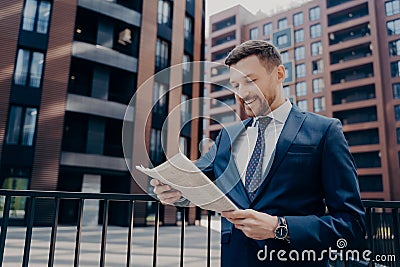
(281, 73)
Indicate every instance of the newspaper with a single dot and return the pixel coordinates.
(181, 174)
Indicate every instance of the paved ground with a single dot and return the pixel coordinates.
(167, 256)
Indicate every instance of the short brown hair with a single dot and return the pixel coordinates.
(266, 52)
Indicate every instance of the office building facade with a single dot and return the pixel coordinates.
(342, 61)
(69, 70)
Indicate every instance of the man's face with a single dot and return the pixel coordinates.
(256, 88)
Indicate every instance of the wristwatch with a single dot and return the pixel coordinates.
(281, 231)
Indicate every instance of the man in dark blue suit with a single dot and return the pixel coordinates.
(290, 173)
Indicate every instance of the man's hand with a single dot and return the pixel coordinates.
(165, 193)
(254, 224)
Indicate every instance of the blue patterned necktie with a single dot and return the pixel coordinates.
(254, 167)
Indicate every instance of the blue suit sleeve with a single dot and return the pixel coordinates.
(345, 217)
(206, 162)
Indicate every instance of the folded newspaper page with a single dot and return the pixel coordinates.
(181, 174)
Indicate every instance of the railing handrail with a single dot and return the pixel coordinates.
(75, 195)
(381, 204)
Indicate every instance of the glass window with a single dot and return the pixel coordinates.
(36, 16)
(392, 7)
(397, 112)
(29, 67)
(398, 135)
(298, 19)
(318, 85)
(285, 56)
(267, 29)
(301, 89)
(316, 48)
(184, 145)
(160, 97)
(22, 66)
(300, 70)
(16, 179)
(185, 108)
(393, 27)
(317, 66)
(253, 33)
(394, 48)
(396, 90)
(282, 39)
(164, 14)
(224, 23)
(303, 105)
(162, 54)
(299, 53)
(282, 23)
(21, 126)
(188, 27)
(299, 36)
(315, 31)
(315, 13)
(395, 68)
(286, 91)
(36, 69)
(319, 104)
(186, 65)
(156, 150)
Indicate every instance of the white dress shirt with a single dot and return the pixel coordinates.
(246, 141)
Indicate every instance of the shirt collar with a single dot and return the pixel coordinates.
(281, 113)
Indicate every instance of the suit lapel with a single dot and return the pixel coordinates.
(229, 181)
(288, 134)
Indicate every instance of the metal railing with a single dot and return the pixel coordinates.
(33, 196)
(383, 230)
(383, 226)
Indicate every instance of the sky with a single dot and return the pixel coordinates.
(267, 6)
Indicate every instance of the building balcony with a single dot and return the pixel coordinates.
(104, 55)
(353, 32)
(360, 139)
(355, 94)
(97, 107)
(356, 116)
(351, 54)
(347, 15)
(93, 161)
(114, 10)
(352, 73)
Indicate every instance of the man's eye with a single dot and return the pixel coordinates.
(250, 81)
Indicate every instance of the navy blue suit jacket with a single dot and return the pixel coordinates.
(312, 182)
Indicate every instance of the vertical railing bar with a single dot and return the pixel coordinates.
(370, 235)
(130, 231)
(386, 248)
(380, 235)
(182, 235)
(78, 233)
(396, 232)
(209, 239)
(4, 227)
(156, 227)
(104, 233)
(54, 233)
(28, 235)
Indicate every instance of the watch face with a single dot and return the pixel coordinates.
(281, 232)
